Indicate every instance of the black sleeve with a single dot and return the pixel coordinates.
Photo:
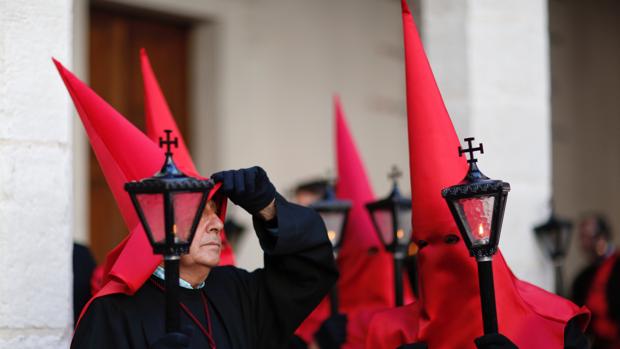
(299, 270)
(612, 292)
(574, 338)
(83, 266)
(102, 326)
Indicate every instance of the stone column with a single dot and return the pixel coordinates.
(35, 176)
(491, 62)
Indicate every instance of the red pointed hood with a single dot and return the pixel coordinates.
(449, 294)
(159, 118)
(366, 282)
(353, 184)
(124, 154)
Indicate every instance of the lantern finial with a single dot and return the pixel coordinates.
(168, 142)
(395, 173)
(470, 150)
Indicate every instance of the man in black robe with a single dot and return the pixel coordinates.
(227, 307)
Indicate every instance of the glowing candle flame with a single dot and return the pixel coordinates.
(331, 235)
(480, 230)
(400, 233)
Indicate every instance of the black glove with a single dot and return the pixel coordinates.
(249, 188)
(333, 332)
(494, 341)
(174, 340)
(413, 346)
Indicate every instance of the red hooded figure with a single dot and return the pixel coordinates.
(447, 314)
(366, 282)
(221, 305)
(124, 154)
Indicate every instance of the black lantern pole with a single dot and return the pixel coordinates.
(554, 238)
(335, 214)
(477, 204)
(391, 218)
(170, 205)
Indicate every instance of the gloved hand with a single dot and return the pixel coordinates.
(333, 332)
(414, 346)
(249, 188)
(174, 340)
(494, 341)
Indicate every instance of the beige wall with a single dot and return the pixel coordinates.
(585, 67)
(264, 74)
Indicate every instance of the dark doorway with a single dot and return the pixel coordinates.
(116, 36)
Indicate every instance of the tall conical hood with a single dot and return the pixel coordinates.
(449, 294)
(158, 115)
(159, 118)
(353, 184)
(366, 282)
(124, 154)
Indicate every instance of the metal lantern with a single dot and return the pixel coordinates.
(477, 204)
(334, 213)
(391, 218)
(554, 238)
(170, 205)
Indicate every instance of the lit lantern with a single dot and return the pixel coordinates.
(477, 204)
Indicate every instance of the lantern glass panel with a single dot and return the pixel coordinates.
(334, 222)
(185, 210)
(383, 221)
(554, 240)
(152, 206)
(404, 225)
(477, 216)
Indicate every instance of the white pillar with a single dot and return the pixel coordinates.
(491, 62)
(35, 176)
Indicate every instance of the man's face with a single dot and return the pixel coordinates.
(207, 244)
(587, 234)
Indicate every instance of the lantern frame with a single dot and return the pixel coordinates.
(331, 204)
(393, 203)
(476, 185)
(169, 181)
(554, 224)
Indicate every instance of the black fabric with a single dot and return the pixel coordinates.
(333, 332)
(494, 341)
(297, 343)
(583, 282)
(413, 346)
(574, 338)
(83, 266)
(613, 292)
(249, 188)
(259, 309)
(175, 340)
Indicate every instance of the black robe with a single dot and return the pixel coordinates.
(259, 309)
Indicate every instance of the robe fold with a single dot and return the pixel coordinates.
(259, 309)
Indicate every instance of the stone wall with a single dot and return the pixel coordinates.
(35, 176)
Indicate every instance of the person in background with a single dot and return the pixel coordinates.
(595, 243)
(597, 286)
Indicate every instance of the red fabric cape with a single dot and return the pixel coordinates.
(447, 314)
(125, 154)
(366, 283)
(603, 326)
